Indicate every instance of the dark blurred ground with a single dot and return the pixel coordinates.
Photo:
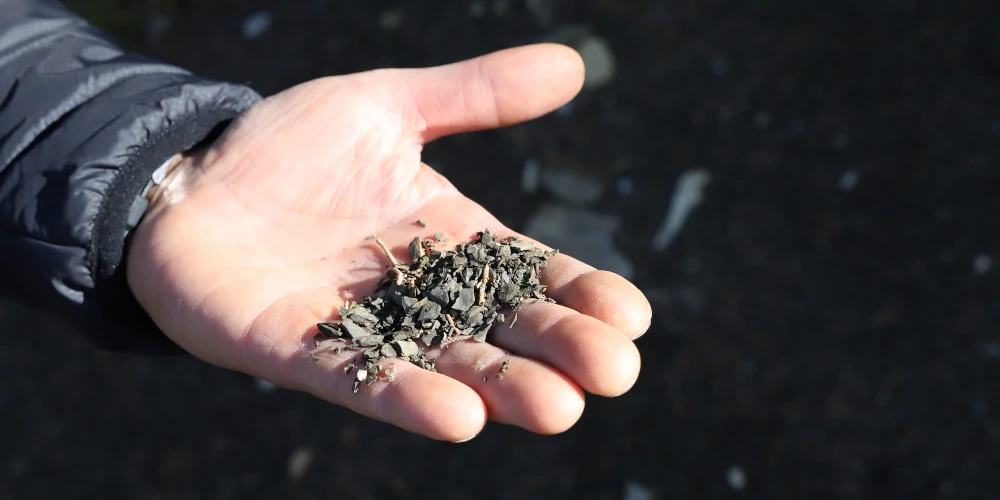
(826, 323)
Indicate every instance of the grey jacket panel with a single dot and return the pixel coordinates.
(83, 125)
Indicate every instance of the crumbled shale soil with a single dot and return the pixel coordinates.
(442, 296)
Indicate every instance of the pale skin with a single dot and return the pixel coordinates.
(257, 237)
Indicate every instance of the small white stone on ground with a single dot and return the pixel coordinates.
(390, 19)
(501, 7)
(982, 264)
(634, 490)
(256, 24)
(18, 466)
(761, 120)
(299, 462)
(990, 349)
(942, 213)
(736, 478)
(477, 8)
(598, 60)
(848, 180)
(687, 196)
(264, 386)
(946, 487)
(541, 10)
(841, 141)
(582, 234)
(625, 186)
(720, 67)
(157, 26)
(981, 406)
(571, 185)
(529, 175)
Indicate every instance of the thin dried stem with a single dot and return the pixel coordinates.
(386, 250)
(482, 285)
(451, 321)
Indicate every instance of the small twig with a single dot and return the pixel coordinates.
(451, 321)
(386, 250)
(482, 285)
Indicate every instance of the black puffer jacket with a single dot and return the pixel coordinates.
(83, 126)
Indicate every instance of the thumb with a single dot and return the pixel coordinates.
(496, 90)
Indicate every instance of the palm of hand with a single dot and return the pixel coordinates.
(264, 234)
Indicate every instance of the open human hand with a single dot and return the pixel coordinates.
(254, 239)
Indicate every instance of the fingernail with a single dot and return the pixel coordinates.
(466, 440)
(644, 330)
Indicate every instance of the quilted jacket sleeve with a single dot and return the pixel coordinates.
(83, 126)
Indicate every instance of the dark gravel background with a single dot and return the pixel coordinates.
(825, 343)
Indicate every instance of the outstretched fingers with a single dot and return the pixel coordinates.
(414, 399)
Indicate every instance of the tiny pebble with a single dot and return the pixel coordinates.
(625, 186)
(501, 7)
(980, 406)
(848, 180)
(598, 60)
(688, 195)
(530, 175)
(477, 8)
(761, 120)
(991, 349)
(736, 478)
(264, 386)
(982, 264)
(157, 26)
(571, 184)
(391, 19)
(635, 490)
(18, 467)
(946, 487)
(841, 141)
(720, 67)
(256, 24)
(541, 10)
(299, 462)
(943, 214)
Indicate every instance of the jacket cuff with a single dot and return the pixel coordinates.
(125, 325)
(65, 200)
(83, 126)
